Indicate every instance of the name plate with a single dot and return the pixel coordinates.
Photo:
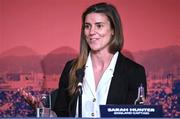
(131, 111)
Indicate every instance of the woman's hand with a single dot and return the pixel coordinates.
(30, 99)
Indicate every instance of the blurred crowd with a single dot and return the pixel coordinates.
(170, 103)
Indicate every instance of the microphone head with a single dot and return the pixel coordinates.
(80, 74)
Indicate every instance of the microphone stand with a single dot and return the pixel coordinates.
(80, 102)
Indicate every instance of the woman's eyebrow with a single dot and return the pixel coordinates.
(99, 23)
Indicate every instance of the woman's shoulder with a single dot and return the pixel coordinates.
(129, 62)
(69, 63)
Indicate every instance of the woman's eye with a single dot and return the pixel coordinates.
(99, 26)
(87, 26)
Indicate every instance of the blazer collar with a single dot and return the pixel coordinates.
(116, 80)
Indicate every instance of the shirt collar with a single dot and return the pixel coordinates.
(111, 65)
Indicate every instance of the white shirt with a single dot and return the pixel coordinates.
(92, 98)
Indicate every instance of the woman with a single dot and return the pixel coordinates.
(109, 77)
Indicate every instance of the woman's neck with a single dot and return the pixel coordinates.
(100, 59)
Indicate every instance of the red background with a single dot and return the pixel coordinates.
(45, 25)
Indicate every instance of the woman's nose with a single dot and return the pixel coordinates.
(92, 31)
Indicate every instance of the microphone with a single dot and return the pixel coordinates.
(80, 75)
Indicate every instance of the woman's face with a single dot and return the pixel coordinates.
(98, 31)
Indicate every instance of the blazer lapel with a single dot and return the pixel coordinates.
(118, 87)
